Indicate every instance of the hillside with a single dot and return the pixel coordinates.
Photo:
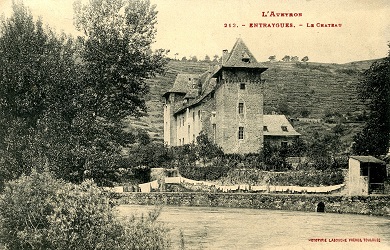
(317, 88)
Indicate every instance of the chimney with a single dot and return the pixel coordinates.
(225, 55)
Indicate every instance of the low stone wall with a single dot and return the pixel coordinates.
(367, 205)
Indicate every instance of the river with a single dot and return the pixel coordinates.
(231, 228)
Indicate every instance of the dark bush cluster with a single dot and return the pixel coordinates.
(40, 212)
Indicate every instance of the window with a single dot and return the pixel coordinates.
(179, 142)
(284, 128)
(193, 116)
(284, 144)
(241, 108)
(240, 133)
(214, 133)
(265, 128)
(189, 133)
(364, 169)
(242, 85)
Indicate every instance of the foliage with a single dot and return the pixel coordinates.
(286, 58)
(350, 72)
(284, 108)
(205, 149)
(117, 54)
(304, 112)
(38, 95)
(153, 154)
(40, 212)
(374, 90)
(321, 68)
(63, 100)
(272, 58)
(305, 59)
(323, 150)
(274, 157)
(210, 172)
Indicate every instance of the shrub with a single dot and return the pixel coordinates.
(40, 212)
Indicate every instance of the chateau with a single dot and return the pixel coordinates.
(226, 103)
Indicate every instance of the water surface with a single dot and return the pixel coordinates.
(227, 228)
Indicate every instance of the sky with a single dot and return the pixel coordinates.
(197, 27)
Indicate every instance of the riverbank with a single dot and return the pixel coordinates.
(378, 205)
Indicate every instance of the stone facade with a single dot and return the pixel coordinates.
(226, 103)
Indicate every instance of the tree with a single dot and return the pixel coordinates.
(205, 149)
(294, 59)
(117, 55)
(38, 93)
(272, 58)
(194, 58)
(286, 58)
(215, 58)
(207, 58)
(305, 59)
(283, 107)
(374, 91)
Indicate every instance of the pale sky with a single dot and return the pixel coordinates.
(196, 27)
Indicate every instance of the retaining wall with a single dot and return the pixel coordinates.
(367, 205)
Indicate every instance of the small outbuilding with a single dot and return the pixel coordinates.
(367, 175)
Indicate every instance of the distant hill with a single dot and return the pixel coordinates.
(317, 88)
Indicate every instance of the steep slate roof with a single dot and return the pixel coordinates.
(208, 85)
(367, 159)
(274, 125)
(240, 51)
(182, 83)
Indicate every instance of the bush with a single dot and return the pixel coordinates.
(40, 212)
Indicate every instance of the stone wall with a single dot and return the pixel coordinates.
(228, 97)
(367, 205)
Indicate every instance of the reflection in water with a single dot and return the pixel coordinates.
(226, 228)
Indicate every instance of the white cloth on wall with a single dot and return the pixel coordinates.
(154, 184)
(145, 187)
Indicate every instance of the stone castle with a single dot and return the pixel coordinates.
(226, 103)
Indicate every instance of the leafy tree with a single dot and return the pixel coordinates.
(216, 57)
(294, 59)
(286, 58)
(206, 150)
(184, 59)
(304, 112)
(374, 90)
(117, 56)
(207, 58)
(305, 59)
(272, 58)
(283, 107)
(194, 58)
(38, 93)
(323, 150)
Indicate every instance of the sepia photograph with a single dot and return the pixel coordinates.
(178, 124)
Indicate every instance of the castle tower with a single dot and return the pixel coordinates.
(239, 101)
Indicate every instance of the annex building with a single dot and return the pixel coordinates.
(226, 103)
